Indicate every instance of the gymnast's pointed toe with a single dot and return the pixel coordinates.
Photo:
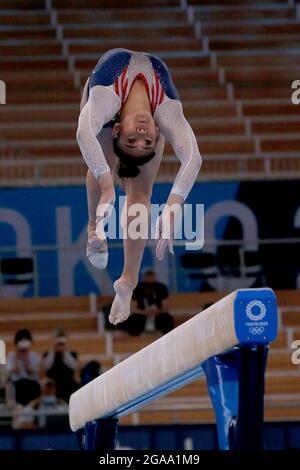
(120, 309)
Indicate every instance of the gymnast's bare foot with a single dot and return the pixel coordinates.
(96, 250)
(120, 309)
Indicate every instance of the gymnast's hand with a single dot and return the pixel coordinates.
(97, 252)
(106, 203)
(166, 225)
(164, 233)
(106, 184)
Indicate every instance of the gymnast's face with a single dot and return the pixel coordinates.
(137, 133)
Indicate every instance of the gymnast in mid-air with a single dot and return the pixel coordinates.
(129, 107)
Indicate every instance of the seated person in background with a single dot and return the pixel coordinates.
(90, 371)
(61, 365)
(34, 415)
(149, 302)
(23, 369)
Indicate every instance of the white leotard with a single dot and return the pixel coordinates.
(105, 101)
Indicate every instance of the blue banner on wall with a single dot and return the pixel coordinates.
(52, 221)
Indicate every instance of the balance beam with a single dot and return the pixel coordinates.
(246, 316)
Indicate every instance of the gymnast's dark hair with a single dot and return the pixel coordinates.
(128, 165)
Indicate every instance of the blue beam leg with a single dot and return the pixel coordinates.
(98, 435)
(222, 382)
(247, 430)
(235, 382)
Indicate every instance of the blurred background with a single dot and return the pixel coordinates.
(233, 62)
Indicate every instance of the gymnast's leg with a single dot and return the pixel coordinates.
(133, 253)
(97, 245)
(138, 190)
(93, 193)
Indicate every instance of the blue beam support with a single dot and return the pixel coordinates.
(235, 381)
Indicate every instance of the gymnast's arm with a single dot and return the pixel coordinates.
(173, 124)
(102, 105)
(84, 97)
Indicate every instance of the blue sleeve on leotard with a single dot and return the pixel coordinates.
(165, 77)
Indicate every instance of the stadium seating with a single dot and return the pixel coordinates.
(189, 404)
(233, 62)
(234, 78)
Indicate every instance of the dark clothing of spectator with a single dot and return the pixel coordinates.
(136, 323)
(60, 367)
(148, 294)
(90, 371)
(26, 390)
(23, 369)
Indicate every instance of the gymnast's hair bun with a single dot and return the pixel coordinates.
(127, 171)
(128, 165)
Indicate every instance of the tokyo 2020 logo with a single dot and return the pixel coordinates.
(251, 310)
